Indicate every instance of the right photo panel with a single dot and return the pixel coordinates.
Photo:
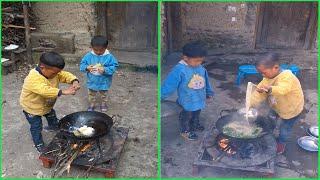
(239, 89)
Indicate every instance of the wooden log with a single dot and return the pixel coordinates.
(13, 15)
(7, 9)
(15, 26)
(27, 30)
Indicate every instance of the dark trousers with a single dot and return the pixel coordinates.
(189, 120)
(35, 122)
(286, 126)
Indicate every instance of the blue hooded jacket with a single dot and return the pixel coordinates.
(192, 84)
(102, 81)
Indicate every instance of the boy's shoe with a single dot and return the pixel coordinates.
(281, 148)
(104, 107)
(40, 148)
(199, 128)
(51, 128)
(189, 135)
(91, 108)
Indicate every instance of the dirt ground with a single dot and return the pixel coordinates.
(178, 155)
(132, 100)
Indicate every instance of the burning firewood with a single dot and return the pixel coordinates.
(225, 146)
(67, 156)
(74, 146)
(85, 147)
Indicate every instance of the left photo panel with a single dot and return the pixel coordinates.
(79, 89)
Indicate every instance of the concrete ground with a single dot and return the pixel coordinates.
(132, 100)
(178, 155)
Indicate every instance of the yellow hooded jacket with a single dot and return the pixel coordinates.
(286, 97)
(39, 94)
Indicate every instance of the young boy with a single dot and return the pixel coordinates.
(40, 91)
(99, 65)
(191, 81)
(283, 91)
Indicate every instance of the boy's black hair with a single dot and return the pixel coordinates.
(194, 49)
(52, 59)
(99, 41)
(269, 60)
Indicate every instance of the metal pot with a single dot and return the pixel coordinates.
(266, 124)
(100, 122)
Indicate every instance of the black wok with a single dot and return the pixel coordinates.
(265, 123)
(100, 122)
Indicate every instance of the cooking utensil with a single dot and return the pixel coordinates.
(308, 143)
(100, 122)
(233, 115)
(313, 131)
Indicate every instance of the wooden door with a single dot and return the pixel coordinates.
(286, 25)
(132, 26)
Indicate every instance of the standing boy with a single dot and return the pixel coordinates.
(191, 81)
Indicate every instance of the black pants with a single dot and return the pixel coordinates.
(189, 120)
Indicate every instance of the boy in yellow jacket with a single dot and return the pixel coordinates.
(40, 91)
(284, 94)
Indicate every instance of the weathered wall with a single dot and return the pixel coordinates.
(77, 18)
(222, 25)
(228, 29)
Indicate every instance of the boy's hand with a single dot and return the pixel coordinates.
(69, 91)
(263, 89)
(101, 70)
(90, 68)
(76, 85)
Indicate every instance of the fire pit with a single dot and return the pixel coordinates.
(101, 155)
(219, 151)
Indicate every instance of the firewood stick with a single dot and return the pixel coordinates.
(68, 163)
(51, 151)
(7, 9)
(14, 15)
(27, 32)
(87, 173)
(85, 147)
(15, 26)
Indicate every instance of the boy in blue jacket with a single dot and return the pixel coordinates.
(99, 66)
(191, 81)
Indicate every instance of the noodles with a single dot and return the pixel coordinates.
(248, 96)
(239, 130)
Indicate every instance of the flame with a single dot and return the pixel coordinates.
(85, 147)
(223, 143)
(74, 146)
(225, 146)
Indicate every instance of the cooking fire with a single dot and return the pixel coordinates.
(101, 154)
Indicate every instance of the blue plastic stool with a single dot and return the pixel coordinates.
(245, 70)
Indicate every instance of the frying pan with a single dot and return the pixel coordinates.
(100, 122)
(262, 122)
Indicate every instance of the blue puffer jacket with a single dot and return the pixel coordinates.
(192, 84)
(103, 81)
